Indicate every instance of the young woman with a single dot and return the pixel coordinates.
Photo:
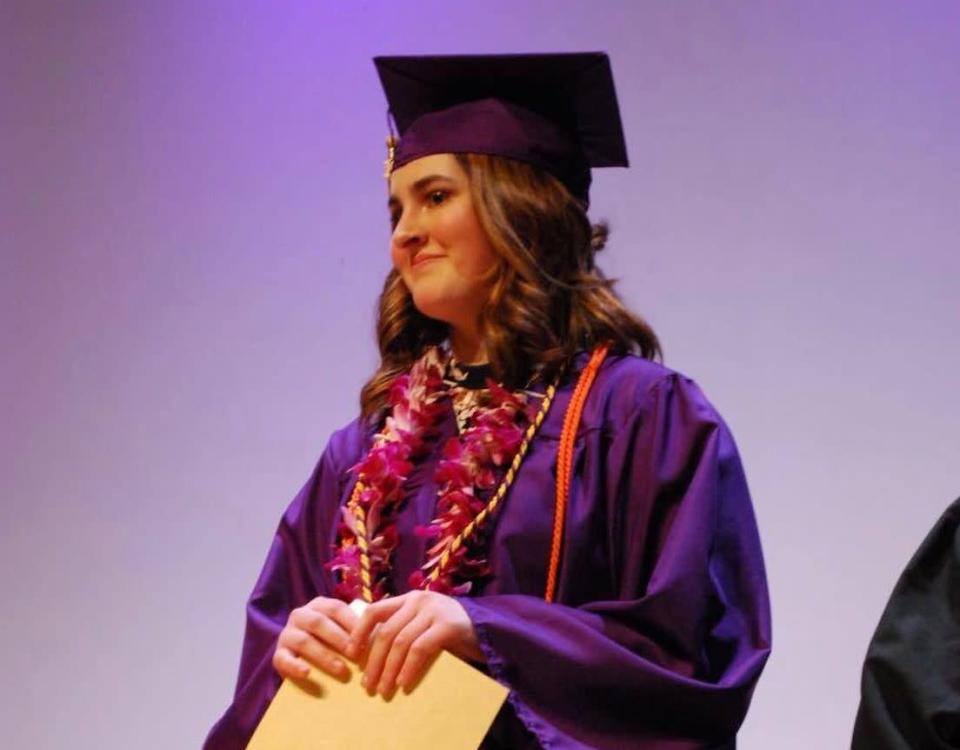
(524, 486)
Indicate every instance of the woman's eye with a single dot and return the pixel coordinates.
(437, 197)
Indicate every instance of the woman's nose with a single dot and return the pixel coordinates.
(408, 233)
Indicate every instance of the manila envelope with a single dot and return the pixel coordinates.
(452, 707)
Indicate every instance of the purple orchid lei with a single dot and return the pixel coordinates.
(465, 476)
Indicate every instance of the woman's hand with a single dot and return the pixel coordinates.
(413, 629)
(317, 633)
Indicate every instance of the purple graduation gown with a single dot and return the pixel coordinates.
(661, 624)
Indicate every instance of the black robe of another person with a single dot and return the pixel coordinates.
(910, 692)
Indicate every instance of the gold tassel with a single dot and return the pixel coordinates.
(391, 151)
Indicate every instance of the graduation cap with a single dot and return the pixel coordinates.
(556, 111)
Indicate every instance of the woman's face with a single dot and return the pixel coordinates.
(438, 245)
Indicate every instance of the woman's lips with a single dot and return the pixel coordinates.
(422, 258)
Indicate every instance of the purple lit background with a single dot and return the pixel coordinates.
(193, 234)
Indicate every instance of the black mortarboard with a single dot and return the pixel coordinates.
(557, 111)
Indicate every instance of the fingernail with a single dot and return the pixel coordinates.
(339, 665)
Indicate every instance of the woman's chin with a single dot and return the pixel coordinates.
(432, 307)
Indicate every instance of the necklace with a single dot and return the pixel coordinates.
(467, 385)
(494, 435)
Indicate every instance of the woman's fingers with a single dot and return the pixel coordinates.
(400, 651)
(403, 635)
(338, 611)
(317, 632)
(320, 625)
(383, 641)
(420, 656)
(304, 645)
(290, 665)
(373, 615)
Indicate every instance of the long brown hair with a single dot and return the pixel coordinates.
(548, 299)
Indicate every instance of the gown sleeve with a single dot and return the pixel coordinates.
(291, 577)
(910, 689)
(668, 655)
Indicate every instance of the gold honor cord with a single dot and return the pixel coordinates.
(361, 522)
(498, 496)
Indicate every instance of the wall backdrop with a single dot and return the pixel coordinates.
(193, 232)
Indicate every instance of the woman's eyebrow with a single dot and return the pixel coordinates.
(420, 184)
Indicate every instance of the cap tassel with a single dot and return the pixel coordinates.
(391, 151)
